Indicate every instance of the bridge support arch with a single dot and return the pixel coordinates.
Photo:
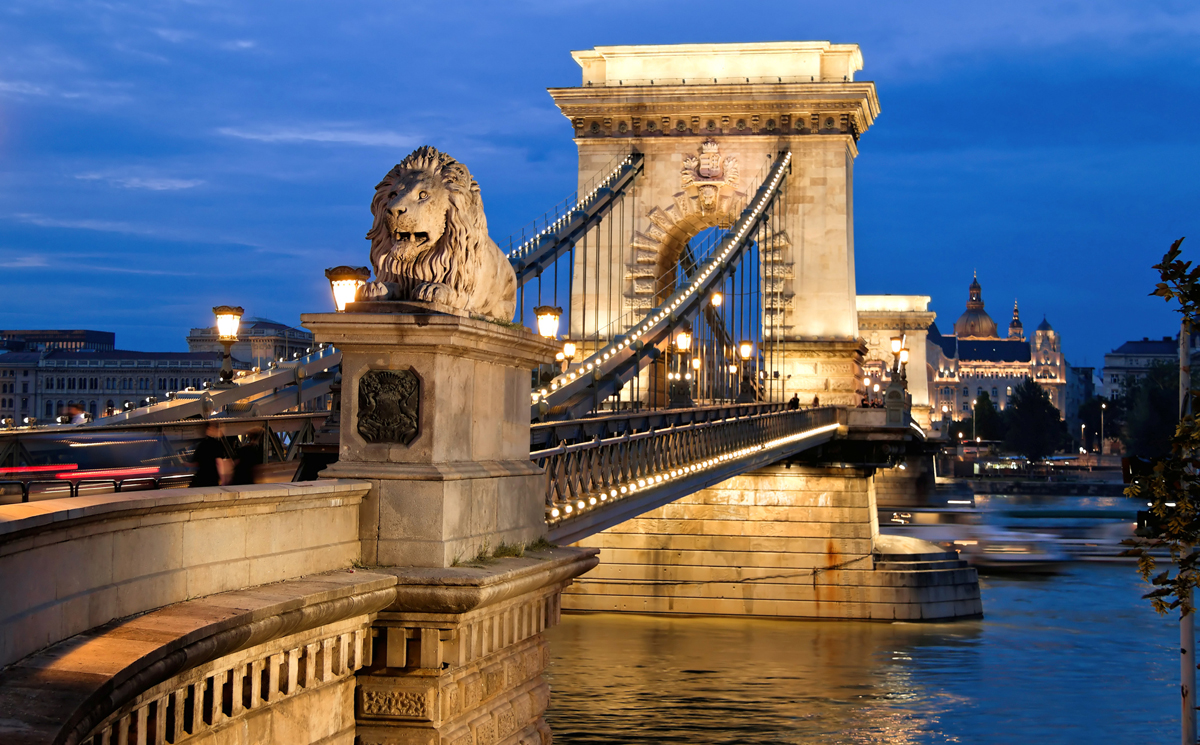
(707, 119)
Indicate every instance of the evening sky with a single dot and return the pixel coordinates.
(156, 160)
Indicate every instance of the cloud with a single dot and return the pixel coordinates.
(139, 182)
(239, 44)
(22, 88)
(172, 35)
(333, 134)
(105, 226)
(24, 262)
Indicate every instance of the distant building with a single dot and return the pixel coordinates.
(975, 359)
(1133, 359)
(882, 317)
(75, 339)
(260, 341)
(42, 384)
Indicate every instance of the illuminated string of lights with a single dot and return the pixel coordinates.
(523, 249)
(619, 489)
(595, 364)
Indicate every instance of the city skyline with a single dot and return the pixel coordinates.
(219, 154)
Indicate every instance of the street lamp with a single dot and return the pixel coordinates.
(568, 354)
(973, 417)
(717, 299)
(1103, 406)
(547, 320)
(1082, 432)
(683, 340)
(745, 349)
(228, 318)
(904, 363)
(345, 281)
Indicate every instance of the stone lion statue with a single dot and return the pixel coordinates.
(430, 243)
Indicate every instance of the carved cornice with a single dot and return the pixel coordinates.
(785, 108)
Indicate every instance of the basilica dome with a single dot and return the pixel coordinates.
(975, 322)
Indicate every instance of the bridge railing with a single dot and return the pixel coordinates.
(587, 474)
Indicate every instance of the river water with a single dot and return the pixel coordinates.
(1074, 658)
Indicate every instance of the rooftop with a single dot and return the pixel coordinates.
(807, 60)
(1166, 347)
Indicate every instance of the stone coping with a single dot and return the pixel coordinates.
(59, 694)
(18, 520)
(462, 589)
(438, 333)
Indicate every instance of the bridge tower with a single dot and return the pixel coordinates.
(708, 118)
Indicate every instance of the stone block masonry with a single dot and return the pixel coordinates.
(780, 543)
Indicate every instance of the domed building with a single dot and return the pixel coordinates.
(975, 323)
(975, 359)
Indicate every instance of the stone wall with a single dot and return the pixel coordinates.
(778, 542)
(68, 565)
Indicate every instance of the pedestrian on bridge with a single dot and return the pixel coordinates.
(210, 458)
(794, 402)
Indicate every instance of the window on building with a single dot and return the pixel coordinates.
(966, 391)
(92, 409)
(966, 406)
(1009, 391)
(49, 409)
(995, 394)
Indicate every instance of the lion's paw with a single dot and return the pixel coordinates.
(374, 291)
(434, 292)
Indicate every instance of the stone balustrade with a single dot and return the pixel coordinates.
(69, 565)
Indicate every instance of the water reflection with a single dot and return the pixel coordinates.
(1077, 658)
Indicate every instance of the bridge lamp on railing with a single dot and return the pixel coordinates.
(547, 320)
(568, 354)
(904, 363)
(228, 319)
(716, 299)
(345, 282)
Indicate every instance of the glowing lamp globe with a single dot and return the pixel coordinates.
(896, 344)
(717, 299)
(345, 282)
(904, 356)
(547, 320)
(228, 319)
(683, 340)
(732, 369)
(745, 349)
(569, 350)
(695, 363)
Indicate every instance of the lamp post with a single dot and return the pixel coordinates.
(746, 392)
(973, 418)
(1082, 436)
(345, 282)
(897, 343)
(228, 318)
(568, 354)
(904, 363)
(547, 320)
(680, 391)
(1103, 406)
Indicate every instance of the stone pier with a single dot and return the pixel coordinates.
(435, 417)
(781, 543)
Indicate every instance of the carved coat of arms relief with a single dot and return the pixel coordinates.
(709, 173)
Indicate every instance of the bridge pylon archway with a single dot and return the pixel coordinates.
(708, 119)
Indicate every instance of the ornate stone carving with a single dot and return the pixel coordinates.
(389, 406)
(429, 240)
(410, 704)
(709, 173)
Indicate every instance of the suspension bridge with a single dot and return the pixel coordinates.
(691, 426)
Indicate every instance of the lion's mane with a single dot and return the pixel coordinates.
(449, 261)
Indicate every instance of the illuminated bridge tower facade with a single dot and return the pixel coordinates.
(708, 119)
